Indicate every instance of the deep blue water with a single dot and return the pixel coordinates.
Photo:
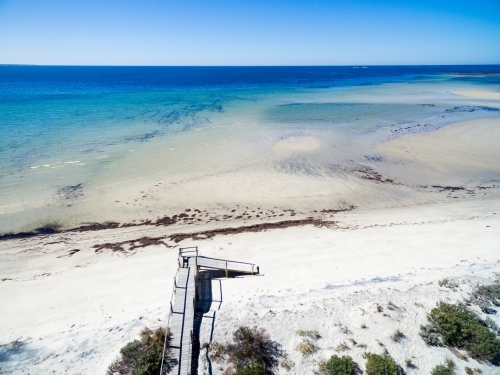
(25, 82)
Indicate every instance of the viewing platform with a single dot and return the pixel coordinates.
(182, 310)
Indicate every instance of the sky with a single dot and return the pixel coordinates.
(256, 32)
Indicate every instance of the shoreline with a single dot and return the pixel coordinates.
(215, 167)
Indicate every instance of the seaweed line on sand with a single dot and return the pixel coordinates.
(203, 235)
(165, 221)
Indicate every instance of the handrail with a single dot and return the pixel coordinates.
(183, 320)
(190, 358)
(165, 344)
(227, 260)
(183, 250)
(168, 322)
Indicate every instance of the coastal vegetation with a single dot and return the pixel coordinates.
(336, 365)
(442, 370)
(307, 345)
(341, 347)
(143, 356)
(287, 363)
(254, 368)
(217, 352)
(487, 297)
(311, 334)
(381, 365)
(448, 283)
(252, 352)
(457, 326)
(397, 336)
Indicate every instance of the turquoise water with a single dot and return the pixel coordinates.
(67, 131)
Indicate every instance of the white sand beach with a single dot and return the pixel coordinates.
(70, 307)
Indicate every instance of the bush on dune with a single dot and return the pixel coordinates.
(254, 368)
(336, 365)
(442, 370)
(252, 351)
(142, 357)
(381, 365)
(457, 326)
(486, 296)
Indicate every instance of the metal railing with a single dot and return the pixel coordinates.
(174, 288)
(185, 250)
(190, 358)
(224, 264)
(181, 337)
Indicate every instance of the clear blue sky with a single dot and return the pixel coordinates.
(211, 32)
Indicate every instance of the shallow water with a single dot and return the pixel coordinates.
(82, 144)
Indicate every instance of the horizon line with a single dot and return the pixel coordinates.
(241, 66)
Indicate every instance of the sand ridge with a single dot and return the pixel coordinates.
(478, 94)
(469, 146)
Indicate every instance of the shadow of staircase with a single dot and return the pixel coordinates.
(204, 299)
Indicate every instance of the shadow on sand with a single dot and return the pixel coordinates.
(207, 306)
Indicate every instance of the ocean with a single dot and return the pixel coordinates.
(81, 144)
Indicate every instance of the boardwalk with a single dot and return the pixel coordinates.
(181, 321)
(182, 305)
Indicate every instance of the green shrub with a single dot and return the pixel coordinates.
(381, 365)
(442, 370)
(448, 283)
(459, 327)
(492, 325)
(485, 296)
(143, 357)
(341, 366)
(428, 334)
(254, 368)
(252, 347)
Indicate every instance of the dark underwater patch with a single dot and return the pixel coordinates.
(470, 108)
(70, 191)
